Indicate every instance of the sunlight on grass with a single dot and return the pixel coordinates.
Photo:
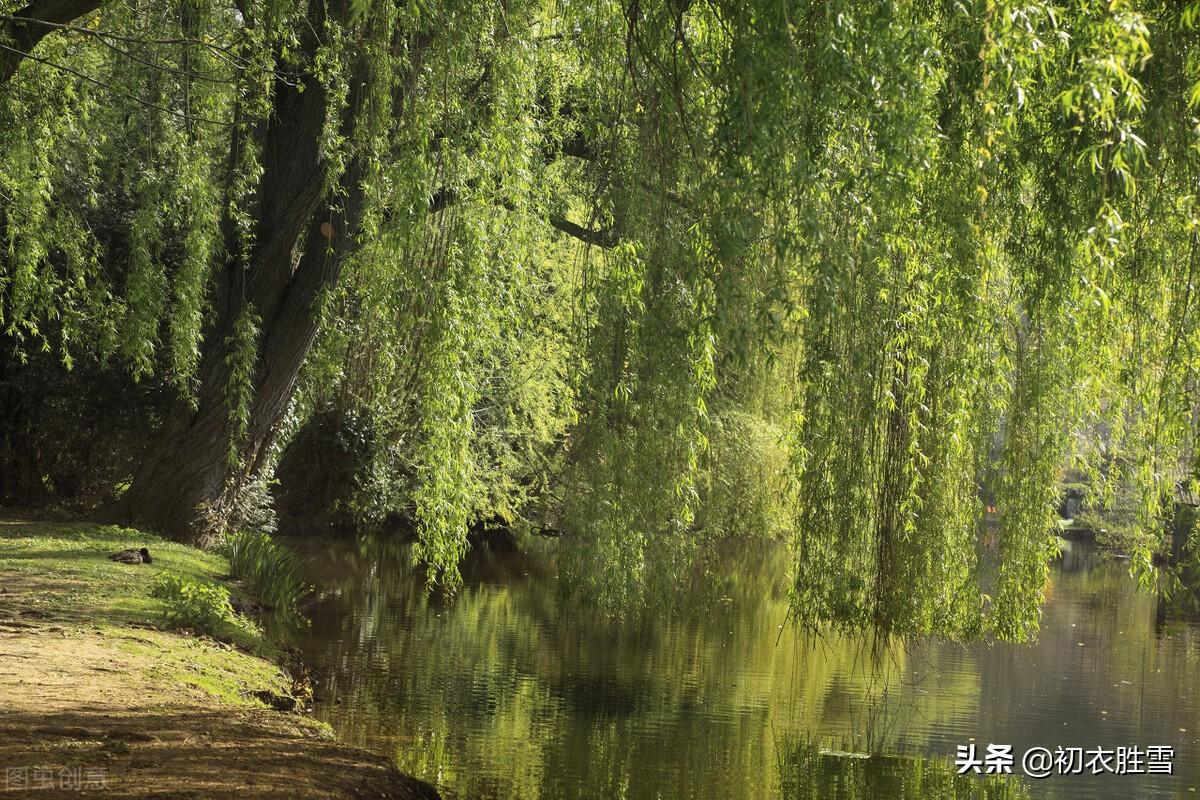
(62, 571)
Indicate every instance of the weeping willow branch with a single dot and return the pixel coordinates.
(225, 52)
(117, 92)
(31, 24)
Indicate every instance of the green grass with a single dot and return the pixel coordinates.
(199, 665)
(60, 571)
(76, 579)
(203, 606)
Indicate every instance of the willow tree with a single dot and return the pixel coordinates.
(262, 144)
(958, 239)
(932, 246)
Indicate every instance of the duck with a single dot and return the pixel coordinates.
(141, 556)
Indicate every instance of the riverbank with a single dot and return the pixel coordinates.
(99, 696)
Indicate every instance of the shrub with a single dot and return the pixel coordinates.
(267, 570)
(203, 607)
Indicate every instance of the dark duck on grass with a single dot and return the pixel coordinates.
(141, 556)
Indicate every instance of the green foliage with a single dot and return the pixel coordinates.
(746, 488)
(267, 570)
(1179, 583)
(201, 606)
(445, 351)
(928, 230)
(1114, 517)
(240, 356)
(922, 255)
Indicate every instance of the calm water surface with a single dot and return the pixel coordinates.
(510, 692)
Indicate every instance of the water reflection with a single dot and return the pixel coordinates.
(808, 772)
(510, 691)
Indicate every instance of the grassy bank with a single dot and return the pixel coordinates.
(62, 574)
(98, 681)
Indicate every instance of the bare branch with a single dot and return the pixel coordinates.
(603, 237)
(445, 197)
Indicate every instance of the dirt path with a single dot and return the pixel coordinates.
(125, 712)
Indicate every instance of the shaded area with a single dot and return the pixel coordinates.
(194, 753)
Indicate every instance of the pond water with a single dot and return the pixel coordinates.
(510, 691)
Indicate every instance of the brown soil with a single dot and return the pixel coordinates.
(75, 713)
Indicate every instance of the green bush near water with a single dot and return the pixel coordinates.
(267, 570)
(203, 607)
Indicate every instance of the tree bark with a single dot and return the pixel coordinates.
(21, 31)
(188, 487)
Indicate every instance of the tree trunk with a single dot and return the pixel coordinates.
(188, 486)
(21, 32)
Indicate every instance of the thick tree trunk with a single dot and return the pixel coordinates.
(188, 485)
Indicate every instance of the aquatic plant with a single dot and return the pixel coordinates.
(267, 570)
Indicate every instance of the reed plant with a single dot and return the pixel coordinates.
(268, 571)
